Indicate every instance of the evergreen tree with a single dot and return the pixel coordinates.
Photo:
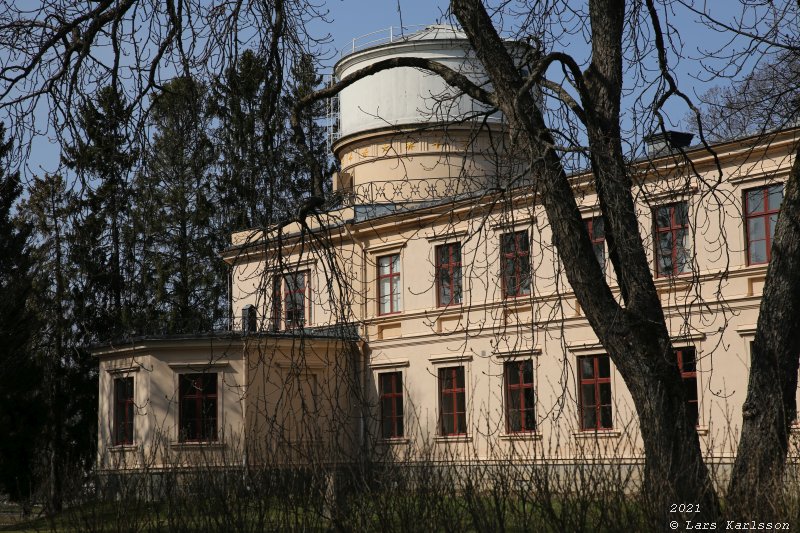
(304, 81)
(21, 407)
(69, 378)
(189, 275)
(101, 247)
(253, 143)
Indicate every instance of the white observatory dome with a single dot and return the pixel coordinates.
(407, 96)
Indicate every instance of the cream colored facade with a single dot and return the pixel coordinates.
(309, 375)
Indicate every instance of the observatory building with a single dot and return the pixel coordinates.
(424, 312)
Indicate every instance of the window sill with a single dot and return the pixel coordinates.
(702, 430)
(452, 438)
(596, 434)
(199, 445)
(522, 436)
(121, 448)
(395, 441)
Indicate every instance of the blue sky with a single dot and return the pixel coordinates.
(349, 19)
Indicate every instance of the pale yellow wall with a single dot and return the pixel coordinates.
(715, 314)
(155, 367)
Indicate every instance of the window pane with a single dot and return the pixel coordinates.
(398, 406)
(529, 398)
(460, 377)
(773, 219)
(604, 366)
(587, 367)
(605, 393)
(383, 265)
(457, 285)
(522, 241)
(589, 418)
(462, 423)
(387, 428)
(512, 373)
(442, 255)
(758, 252)
(514, 420)
(755, 228)
(395, 293)
(527, 371)
(514, 398)
(605, 417)
(681, 214)
(530, 419)
(663, 217)
(755, 201)
(774, 197)
(587, 395)
(682, 251)
(688, 362)
(448, 427)
(461, 402)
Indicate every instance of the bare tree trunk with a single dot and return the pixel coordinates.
(770, 407)
(636, 335)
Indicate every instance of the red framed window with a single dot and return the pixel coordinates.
(520, 397)
(671, 236)
(276, 309)
(515, 250)
(596, 228)
(198, 407)
(448, 274)
(687, 364)
(123, 411)
(391, 398)
(452, 401)
(389, 284)
(761, 214)
(295, 297)
(594, 393)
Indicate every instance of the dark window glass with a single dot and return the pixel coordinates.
(761, 214)
(295, 298)
(520, 397)
(198, 407)
(391, 399)
(448, 274)
(452, 401)
(594, 393)
(389, 284)
(671, 239)
(515, 251)
(123, 411)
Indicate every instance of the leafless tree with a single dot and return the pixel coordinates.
(767, 34)
(60, 51)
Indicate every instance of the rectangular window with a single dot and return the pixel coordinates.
(515, 250)
(198, 407)
(389, 284)
(594, 393)
(391, 398)
(452, 401)
(276, 309)
(294, 299)
(520, 398)
(448, 274)
(596, 228)
(761, 214)
(123, 411)
(671, 237)
(687, 364)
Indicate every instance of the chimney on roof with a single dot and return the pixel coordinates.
(665, 142)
